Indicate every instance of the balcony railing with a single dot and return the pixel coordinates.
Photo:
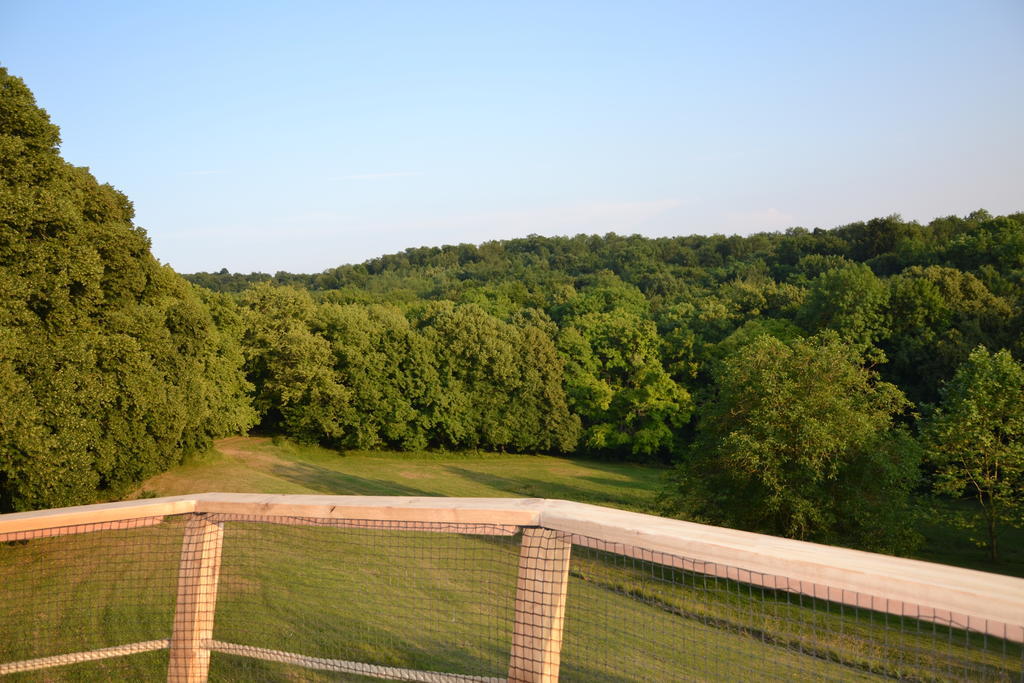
(248, 587)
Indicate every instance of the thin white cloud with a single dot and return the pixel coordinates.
(378, 176)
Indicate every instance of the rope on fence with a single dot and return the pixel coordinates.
(79, 657)
(390, 673)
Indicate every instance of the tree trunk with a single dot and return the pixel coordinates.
(991, 523)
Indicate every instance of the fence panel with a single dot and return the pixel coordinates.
(364, 596)
(89, 598)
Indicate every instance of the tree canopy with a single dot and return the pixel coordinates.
(801, 440)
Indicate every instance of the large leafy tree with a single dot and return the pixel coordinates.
(111, 365)
(291, 367)
(389, 369)
(939, 315)
(853, 301)
(800, 441)
(976, 442)
(500, 383)
(618, 386)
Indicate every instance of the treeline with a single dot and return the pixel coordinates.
(654, 317)
(375, 376)
(918, 297)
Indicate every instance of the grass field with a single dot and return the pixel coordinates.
(259, 464)
(438, 601)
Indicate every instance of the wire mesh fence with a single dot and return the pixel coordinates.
(691, 622)
(69, 592)
(256, 597)
(366, 595)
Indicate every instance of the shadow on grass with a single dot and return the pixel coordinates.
(948, 543)
(618, 483)
(323, 480)
(537, 488)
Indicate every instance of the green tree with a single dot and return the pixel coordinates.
(291, 368)
(109, 362)
(853, 301)
(541, 419)
(602, 292)
(388, 368)
(783, 330)
(227, 395)
(500, 383)
(800, 441)
(976, 441)
(938, 316)
(618, 386)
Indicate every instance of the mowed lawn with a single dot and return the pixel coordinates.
(263, 465)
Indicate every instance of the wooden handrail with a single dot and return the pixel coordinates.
(980, 601)
(83, 515)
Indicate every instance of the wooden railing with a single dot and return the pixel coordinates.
(965, 599)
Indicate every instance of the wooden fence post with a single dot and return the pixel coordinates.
(197, 599)
(540, 606)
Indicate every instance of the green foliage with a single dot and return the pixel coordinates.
(111, 366)
(371, 376)
(389, 370)
(800, 441)
(501, 383)
(976, 442)
(939, 314)
(226, 392)
(853, 301)
(783, 330)
(604, 292)
(295, 387)
(618, 386)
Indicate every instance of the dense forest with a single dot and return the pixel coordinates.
(813, 383)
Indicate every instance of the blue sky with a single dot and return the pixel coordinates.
(301, 136)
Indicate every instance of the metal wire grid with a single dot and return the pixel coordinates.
(68, 592)
(666, 618)
(365, 595)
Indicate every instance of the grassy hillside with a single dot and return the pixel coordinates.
(264, 465)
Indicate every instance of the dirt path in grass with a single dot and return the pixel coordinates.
(239, 446)
(246, 449)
